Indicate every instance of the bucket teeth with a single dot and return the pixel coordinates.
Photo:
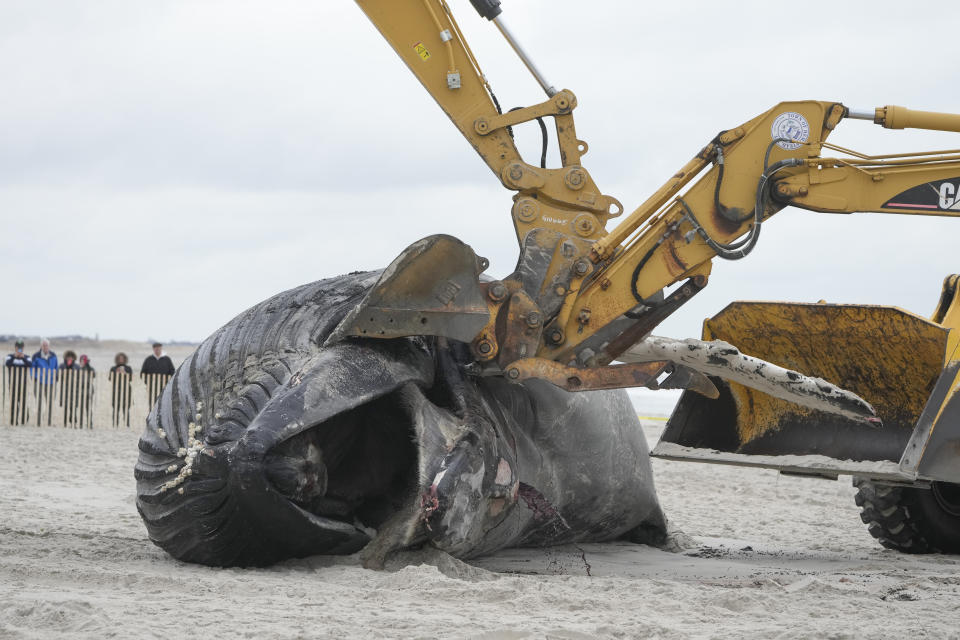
(687, 378)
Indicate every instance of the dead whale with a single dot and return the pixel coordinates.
(266, 445)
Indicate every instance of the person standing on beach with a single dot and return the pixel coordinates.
(69, 361)
(44, 363)
(86, 366)
(45, 377)
(18, 358)
(157, 362)
(156, 371)
(120, 364)
(87, 374)
(69, 388)
(121, 394)
(16, 366)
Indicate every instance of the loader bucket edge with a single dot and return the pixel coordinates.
(890, 357)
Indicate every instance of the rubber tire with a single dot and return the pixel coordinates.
(907, 519)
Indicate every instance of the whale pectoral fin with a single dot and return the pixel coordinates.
(723, 360)
(432, 288)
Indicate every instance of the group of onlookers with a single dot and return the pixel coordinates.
(71, 381)
(44, 362)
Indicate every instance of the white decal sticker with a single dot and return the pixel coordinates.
(790, 125)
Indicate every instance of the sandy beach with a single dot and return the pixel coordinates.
(770, 556)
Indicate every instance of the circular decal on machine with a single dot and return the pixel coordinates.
(790, 125)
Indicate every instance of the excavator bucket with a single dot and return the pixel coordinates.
(432, 288)
(893, 359)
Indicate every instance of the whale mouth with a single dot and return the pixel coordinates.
(358, 467)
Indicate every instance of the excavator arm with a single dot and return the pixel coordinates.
(428, 39)
(755, 170)
(580, 296)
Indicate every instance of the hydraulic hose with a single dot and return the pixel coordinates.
(742, 248)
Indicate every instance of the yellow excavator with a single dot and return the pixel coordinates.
(808, 389)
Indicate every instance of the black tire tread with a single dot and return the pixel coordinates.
(894, 517)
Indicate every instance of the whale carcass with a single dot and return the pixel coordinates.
(266, 445)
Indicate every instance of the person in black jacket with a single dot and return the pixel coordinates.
(69, 389)
(158, 362)
(18, 358)
(69, 361)
(156, 371)
(121, 389)
(16, 366)
(86, 366)
(120, 364)
(86, 390)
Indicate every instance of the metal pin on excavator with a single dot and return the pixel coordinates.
(810, 389)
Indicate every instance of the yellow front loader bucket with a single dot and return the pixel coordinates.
(900, 362)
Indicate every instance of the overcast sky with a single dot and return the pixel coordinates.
(165, 165)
